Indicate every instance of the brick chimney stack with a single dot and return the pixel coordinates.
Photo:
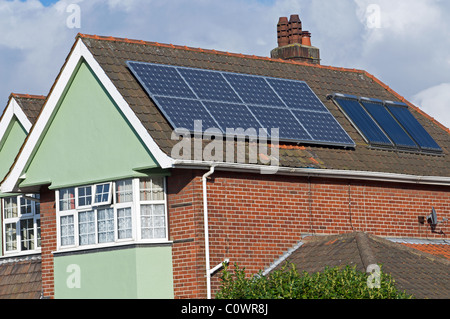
(293, 42)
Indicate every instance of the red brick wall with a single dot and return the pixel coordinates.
(254, 219)
(48, 239)
(185, 206)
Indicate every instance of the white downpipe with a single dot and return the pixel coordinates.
(205, 216)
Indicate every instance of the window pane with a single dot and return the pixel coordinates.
(37, 205)
(27, 234)
(25, 206)
(124, 191)
(145, 187)
(11, 207)
(124, 223)
(151, 189)
(86, 225)
(105, 219)
(84, 196)
(158, 188)
(67, 199)
(102, 193)
(153, 222)
(11, 237)
(38, 224)
(67, 230)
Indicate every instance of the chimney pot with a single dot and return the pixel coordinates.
(295, 29)
(282, 32)
(306, 38)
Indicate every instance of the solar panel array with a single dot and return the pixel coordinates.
(387, 124)
(227, 100)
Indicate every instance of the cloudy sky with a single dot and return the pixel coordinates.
(405, 43)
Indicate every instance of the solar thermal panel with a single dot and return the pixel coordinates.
(363, 122)
(395, 132)
(415, 129)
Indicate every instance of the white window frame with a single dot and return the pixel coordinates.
(94, 194)
(133, 205)
(33, 215)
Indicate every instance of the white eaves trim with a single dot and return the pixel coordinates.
(312, 172)
(11, 110)
(79, 52)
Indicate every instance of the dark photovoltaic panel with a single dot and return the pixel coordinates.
(289, 128)
(313, 123)
(209, 85)
(183, 112)
(254, 90)
(389, 125)
(231, 100)
(297, 95)
(409, 122)
(363, 122)
(164, 81)
(230, 115)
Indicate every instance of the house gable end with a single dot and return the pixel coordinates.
(87, 139)
(10, 144)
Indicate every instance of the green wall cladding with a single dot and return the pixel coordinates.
(127, 273)
(88, 140)
(10, 145)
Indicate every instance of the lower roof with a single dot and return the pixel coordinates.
(423, 275)
(21, 278)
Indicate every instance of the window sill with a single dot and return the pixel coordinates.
(109, 247)
(22, 254)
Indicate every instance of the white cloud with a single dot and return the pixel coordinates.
(410, 51)
(435, 101)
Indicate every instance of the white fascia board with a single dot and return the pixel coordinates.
(21, 116)
(12, 109)
(323, 173)
(79, 52)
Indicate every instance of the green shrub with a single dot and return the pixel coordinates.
(287, 283)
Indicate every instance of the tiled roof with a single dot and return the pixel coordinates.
(112, 53)
(20, 278)
(418, 273)
(437, 247)
(437, 250)
(30, 104)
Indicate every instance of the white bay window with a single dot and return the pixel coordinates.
(21, 224)
(131, 210)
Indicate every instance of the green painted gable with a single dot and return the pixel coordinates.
(88, 139)
(10, 145)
